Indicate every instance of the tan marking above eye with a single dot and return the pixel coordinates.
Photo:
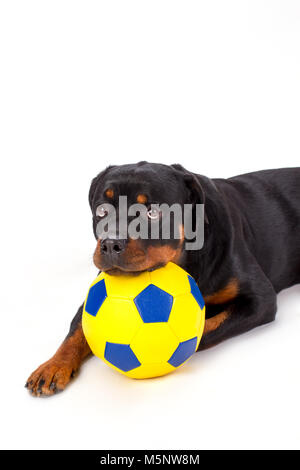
(109, 193)
(141, 198)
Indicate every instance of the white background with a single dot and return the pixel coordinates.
(210, 84)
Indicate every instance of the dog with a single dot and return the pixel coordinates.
(251, 250)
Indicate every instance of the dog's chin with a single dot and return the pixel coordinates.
(121, 272)
(130, 270)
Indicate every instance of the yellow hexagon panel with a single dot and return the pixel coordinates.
(146, 371)
(117, 321)
(154, 343)
(172, 279)
(186, 317)
(127, 285)
(95, 340)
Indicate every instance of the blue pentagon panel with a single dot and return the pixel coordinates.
(154, 304)
(196, 292)
(121, 356)
(183, 352)
(96, 297)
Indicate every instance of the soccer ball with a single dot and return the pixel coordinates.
(144, 325)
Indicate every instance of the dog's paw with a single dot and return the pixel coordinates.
(50, 377)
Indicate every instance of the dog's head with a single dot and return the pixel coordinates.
(150, 186)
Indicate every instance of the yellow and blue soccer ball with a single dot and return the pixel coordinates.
(144, 325)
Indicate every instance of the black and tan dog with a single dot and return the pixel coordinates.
(251, 250)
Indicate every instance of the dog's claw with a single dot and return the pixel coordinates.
(40, 385)
(53, 386)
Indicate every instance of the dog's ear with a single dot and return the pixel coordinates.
(192, 182)
(95, 184)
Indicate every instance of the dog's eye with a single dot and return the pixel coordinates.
(153, 213)
(101, 211)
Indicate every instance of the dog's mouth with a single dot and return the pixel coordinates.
(135, 258)
(118, 271)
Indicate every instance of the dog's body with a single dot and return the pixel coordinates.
(251, 250)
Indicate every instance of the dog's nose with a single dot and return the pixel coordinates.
(111, 246)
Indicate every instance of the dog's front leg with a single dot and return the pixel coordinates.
(56, 373)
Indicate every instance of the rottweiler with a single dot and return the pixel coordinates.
(251, 249)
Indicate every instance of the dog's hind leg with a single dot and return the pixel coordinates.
(244, 314)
